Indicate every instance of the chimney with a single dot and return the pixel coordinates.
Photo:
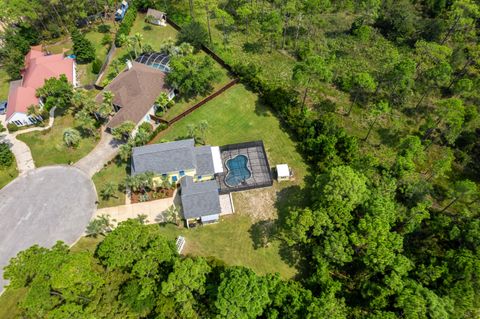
(129, 64)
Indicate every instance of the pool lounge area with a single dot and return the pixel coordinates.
(245, 166)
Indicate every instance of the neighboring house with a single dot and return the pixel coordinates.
(156, 17)
(38, 68)
(120, 13)
(135, 91)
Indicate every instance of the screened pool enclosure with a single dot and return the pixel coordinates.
(155, 60)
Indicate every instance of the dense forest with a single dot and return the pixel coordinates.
(382, 98)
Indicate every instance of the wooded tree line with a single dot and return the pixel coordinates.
(137, 273)
(387, 231)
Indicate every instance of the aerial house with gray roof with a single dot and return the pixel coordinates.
(204, 173)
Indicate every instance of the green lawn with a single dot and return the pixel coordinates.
(8, 302)
(7, 175)
(115, 172)
(47, 147)
(182, 105)
(4, 85)
(238, 116)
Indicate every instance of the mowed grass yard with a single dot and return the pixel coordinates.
(48, 148)
(237, 116)
(233, 117)
(4, 84)
(115, 172)
(7, 175)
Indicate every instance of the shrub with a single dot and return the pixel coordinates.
(82, 47)
(6, 155)
(104, 28)
(71, 137)
(2, 128)
(147, 28)
(193, 33)
(126, 24)
(12, 127)
(107, 39)
(145, 126)
(96, 66)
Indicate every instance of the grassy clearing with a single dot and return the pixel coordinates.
(4, 85)
(8, 302)
(7, 175)
(116, 172)
(182, 105)
(48, 148)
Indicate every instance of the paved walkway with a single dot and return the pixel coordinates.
(42, 206)
(153, 209)
(22, 153)
(105, 151)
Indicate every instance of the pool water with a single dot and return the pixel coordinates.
(238, 171)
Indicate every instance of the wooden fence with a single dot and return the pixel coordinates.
(110, 53)
(202, 102)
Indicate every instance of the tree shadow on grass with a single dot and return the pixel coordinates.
(253, 47)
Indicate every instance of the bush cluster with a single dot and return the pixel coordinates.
(96, 66)
(82, 47)
(126, 24)
(6, 155)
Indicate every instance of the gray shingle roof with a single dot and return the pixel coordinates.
(203, 156)
(199, 199)
(173, 156)
(164, 157)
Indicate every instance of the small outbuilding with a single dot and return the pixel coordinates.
(283, 172)
(156, 17)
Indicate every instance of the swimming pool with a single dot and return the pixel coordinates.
(238, 171)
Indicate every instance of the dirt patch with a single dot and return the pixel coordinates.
(259, 204)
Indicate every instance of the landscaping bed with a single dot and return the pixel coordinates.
(140, 197)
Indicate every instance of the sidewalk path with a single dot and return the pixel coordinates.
(22, 153)
(105, 151)
(153, 209)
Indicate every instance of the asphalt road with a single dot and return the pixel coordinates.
(42, 206)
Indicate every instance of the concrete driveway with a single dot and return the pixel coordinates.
(105, 151)
(42, 206)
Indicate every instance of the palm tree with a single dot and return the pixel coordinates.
(191, 130)
(139, 39)
(132, 45)
(162, 101)
(100, 226)
(71, 137)
(202, 127)
(116, 64)
(109, 190)
(86, 122)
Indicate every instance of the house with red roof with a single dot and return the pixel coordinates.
(38, 68)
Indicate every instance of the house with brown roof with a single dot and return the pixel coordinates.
(135, 91)
(38, 68)
(156, 17)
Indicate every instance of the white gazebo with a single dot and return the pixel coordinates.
(283, 172)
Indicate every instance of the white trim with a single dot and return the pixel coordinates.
(217, 159)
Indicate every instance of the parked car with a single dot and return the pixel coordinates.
(3, 107)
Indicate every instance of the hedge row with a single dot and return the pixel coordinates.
(126, 24)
